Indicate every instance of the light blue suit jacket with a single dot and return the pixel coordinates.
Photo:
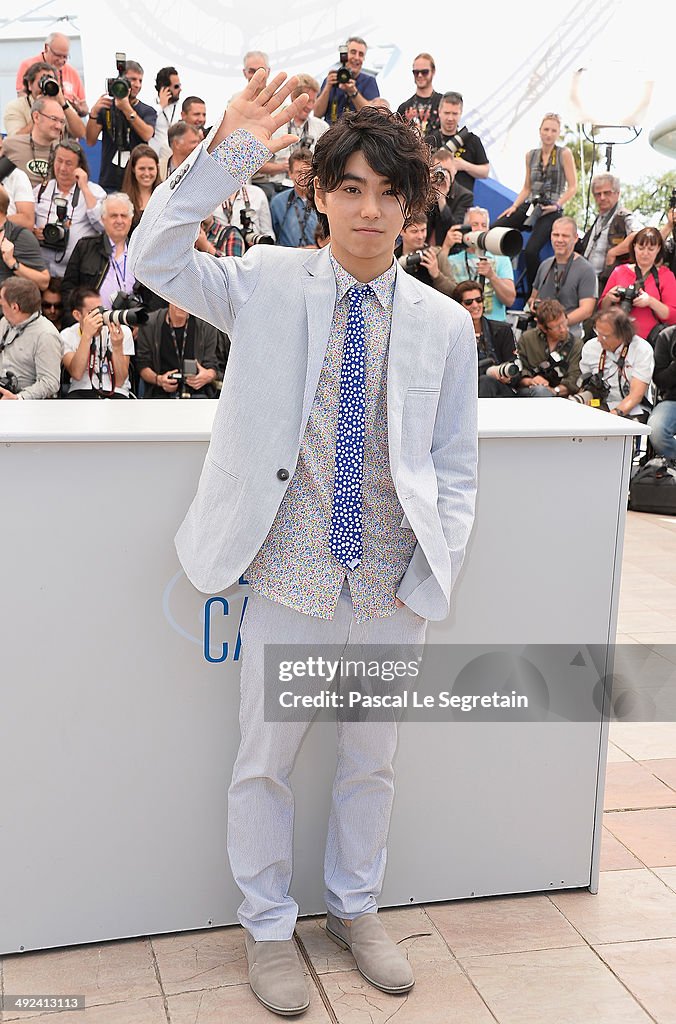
(277, 306)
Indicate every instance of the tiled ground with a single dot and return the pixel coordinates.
(559, 958)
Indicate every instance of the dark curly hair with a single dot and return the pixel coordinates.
(392, 147)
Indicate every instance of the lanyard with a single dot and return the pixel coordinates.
(46, 176)
(172, 332)
(559, 279)
(18, 331)
(116, 269)
(229, 204)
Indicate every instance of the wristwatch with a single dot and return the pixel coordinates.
(557, 390)
(65, 106)
(132, 116)
(15, 267)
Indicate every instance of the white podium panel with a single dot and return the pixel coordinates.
(118, 726)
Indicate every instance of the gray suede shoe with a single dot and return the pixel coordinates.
(378, 958)
(276, 975)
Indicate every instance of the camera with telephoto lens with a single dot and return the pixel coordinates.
(10, 382)
(49, 86)
(513, 368)
(126, 310)
(343, 74)
(627, 296)
(498, 241)
(56, 235)
(592, 390)
(120, 87)
(457, 141)
(304, 146)
(414, 259)
(249, 233)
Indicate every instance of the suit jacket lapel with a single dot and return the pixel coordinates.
(407, 322)
(319, 288)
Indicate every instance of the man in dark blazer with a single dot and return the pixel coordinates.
(341, 478)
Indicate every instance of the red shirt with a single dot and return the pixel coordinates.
(71, 83)
(643, 316)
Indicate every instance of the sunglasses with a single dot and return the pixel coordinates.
(52, 305)
(472, 302)
(423, 71)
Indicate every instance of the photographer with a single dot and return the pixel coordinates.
(95, 356)
(550, 355)
(69, 204)
(124, 122)
(293, 218)
(494, 273)
(606, 243)
(183, 139)
(168, 89)
(494, 344)
(662, 420)
(622, 361)
(453, 202)
(34, 152)
(551, 180)
(55, 53)
(566, 276)
(471, 161)
(20, 254)
(305, 125)
(41, 79)
(30, 347)
(644, 288)
(426, 263)
(100, 263)
(346, 87)
(253, 202)
(168, 346)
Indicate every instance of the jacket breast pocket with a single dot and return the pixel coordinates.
(420, 413)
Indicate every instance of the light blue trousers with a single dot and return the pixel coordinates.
(260, 799)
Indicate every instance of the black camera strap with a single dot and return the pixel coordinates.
(17, 332)
(302, 221)
(105, 358)
(619, 368)
(559, 276)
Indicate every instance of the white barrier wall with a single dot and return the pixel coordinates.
(118, 733)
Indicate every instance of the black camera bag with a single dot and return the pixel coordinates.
(653, 489)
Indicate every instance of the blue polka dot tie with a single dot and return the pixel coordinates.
(345, 535)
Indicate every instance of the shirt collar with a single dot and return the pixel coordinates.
(382, 287)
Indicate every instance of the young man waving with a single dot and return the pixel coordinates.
(340, 476)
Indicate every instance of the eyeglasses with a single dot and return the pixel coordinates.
(473, 302)
(647, 243)
(57, 120)
(422, 71)
(59, 56)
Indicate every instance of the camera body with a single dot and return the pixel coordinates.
(627, 296)
(553, 368)
(120, 87)
(10, 382)
(249, 233)
(48, 85)
(56, 234)
(414, 259)
(593, 390)
(343, 75)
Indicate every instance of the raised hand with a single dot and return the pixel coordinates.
(256, 109)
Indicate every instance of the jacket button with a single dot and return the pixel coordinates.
(282, 474)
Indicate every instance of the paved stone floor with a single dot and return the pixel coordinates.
(556, 958)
